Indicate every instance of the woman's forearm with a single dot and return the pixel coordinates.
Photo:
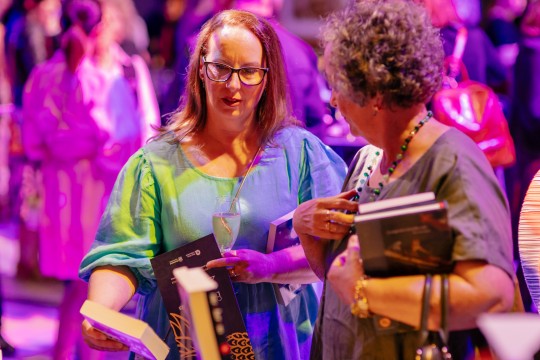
(471, 294)
(290, 266)
(112, 286)
(314, 250)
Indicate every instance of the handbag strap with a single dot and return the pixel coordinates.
(426, 296)
(455, 64)
(444, 307)
(461, 41)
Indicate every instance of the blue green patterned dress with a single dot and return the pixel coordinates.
(161, 201)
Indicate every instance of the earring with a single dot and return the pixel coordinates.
(375, 110)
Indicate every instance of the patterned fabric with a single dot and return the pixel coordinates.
(161, 201)
(529, 239)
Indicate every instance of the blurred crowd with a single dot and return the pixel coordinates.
(84, 83)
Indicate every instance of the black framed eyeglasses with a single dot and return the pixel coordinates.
(221, 73)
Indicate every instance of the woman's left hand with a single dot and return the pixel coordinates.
(246, 265)
(346, 270)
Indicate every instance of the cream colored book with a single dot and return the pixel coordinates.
(196, 288)
(135, 333)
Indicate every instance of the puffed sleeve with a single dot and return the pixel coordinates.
(129, 233)
(322, 171)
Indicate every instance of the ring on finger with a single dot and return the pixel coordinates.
(327, 215)
(233, 273)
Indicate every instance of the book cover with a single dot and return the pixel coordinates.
(281, 235)
(135, 333)
(406, 240)
(192, 255)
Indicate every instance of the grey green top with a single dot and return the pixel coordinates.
(456, 171)
(161, 201)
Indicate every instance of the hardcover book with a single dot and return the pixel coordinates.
(281, 235)
(195, 255)
(405, 236)
(135, 333)
(397, 203)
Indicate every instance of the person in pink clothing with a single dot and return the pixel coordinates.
(86, 111)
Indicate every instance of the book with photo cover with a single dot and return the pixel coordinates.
(196, 254)
(405, 237)
(281, 235)
(136, 334)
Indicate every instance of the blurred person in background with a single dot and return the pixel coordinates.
(162, 28)
(5, 115)
(6, 107)
(85, 112)
(480, 56)
(502, 28)
(132, 31)
(31, 39)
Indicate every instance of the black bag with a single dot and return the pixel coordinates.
(433, 344)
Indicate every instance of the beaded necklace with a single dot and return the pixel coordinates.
(367, 174)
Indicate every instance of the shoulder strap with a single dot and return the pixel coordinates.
(461, 41)
(457, 54)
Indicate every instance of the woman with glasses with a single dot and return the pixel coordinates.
(234, 123)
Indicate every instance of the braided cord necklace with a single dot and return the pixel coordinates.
(367, 174)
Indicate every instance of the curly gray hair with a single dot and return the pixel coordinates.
(387, 48)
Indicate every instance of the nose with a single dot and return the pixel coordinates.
(234, 81)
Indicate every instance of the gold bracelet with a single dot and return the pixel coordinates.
(360, 306)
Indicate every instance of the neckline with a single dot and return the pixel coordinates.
(375, 165)
(254, 168)
(421, 159)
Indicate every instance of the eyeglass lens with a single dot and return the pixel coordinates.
(222, 73)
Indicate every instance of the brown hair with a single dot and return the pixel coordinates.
(273, 110)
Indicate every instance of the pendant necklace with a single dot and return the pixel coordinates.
(374, 193)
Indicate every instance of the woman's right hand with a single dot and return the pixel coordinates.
(99, 341)
(325, 217)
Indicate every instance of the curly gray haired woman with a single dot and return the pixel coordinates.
(383, 60)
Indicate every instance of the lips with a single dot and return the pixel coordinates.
(231, 101)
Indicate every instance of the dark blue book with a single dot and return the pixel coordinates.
(410, 239)
(233, 339)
